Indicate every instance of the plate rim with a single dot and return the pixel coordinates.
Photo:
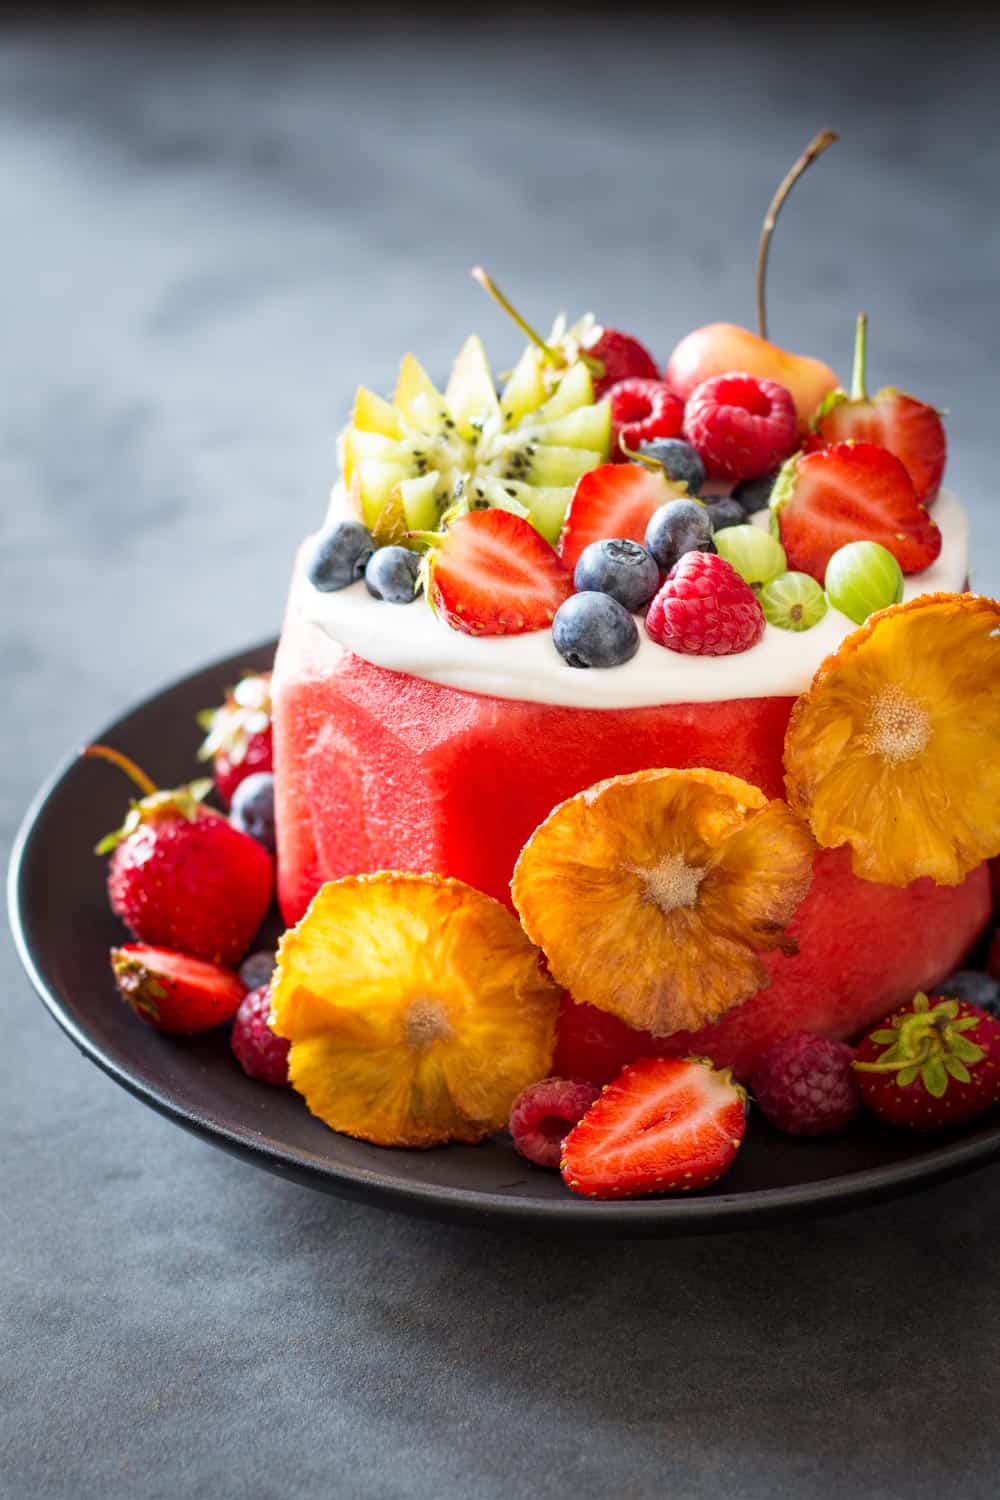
(704, 1213)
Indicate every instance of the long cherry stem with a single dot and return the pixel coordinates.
(553, 357)
(486, 281)
(815, 148)
(859, 388)
(105, 752)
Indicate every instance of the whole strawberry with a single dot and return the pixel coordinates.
(181, 877)
(238, 734)
(174, 992)
(931, 1064)
(621, 357)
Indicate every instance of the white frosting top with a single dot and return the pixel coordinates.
(411, 638)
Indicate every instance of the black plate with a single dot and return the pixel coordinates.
(63, 929)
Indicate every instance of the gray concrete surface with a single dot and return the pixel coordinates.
(209, 236)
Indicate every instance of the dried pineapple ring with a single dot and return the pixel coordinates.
(652, 894)
(416, 1008)
(895, 748)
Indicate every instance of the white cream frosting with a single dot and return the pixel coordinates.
(411, 638)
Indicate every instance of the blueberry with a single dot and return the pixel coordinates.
(620, 568)
(978, 989)
(252, 808)
(679, 526)
(594, 630)
(725, 511)
(339, 556)
(754, 494)
(391, 574)
(256, 969)
(681, 461)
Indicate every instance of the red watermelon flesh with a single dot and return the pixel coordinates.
(380, 770)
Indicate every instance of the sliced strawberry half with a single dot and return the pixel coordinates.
(614, 500)
(665, 1125)
(851, 492)
(908, 428)
(491, 573)
(174, 992)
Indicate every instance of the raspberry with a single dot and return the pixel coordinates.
(742, 427)
(258, 1051)
(805, 1085)
(642, 410)
(705, 609)
(622, 357)
(543, 1114)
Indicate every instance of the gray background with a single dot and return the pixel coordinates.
(209, 236)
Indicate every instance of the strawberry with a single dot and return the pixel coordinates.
(622, 358)
(238, 734)
(908, 428)
(614, 500)
(642, 410)
(742, 426)
(931, 1064)
(850, 492)
(180, 875)
(665, 1124)
(490, 573)
(173, 991)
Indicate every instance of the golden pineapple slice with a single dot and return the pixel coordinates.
(416, 1007)
(652, 894)
(895, 748)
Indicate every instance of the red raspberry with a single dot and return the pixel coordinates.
(742, 427)
(622, 357)
(705, 609)
(805, 1085)
(641, 410)
(543, 1115)
(258, 1051)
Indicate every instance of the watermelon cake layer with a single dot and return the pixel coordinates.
(381, 769)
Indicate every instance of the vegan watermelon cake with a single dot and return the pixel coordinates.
(631, 738)
(594, 614)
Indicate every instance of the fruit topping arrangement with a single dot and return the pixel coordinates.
(410, 1010)
(486, 499)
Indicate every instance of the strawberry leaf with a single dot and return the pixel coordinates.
(935, 1077)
